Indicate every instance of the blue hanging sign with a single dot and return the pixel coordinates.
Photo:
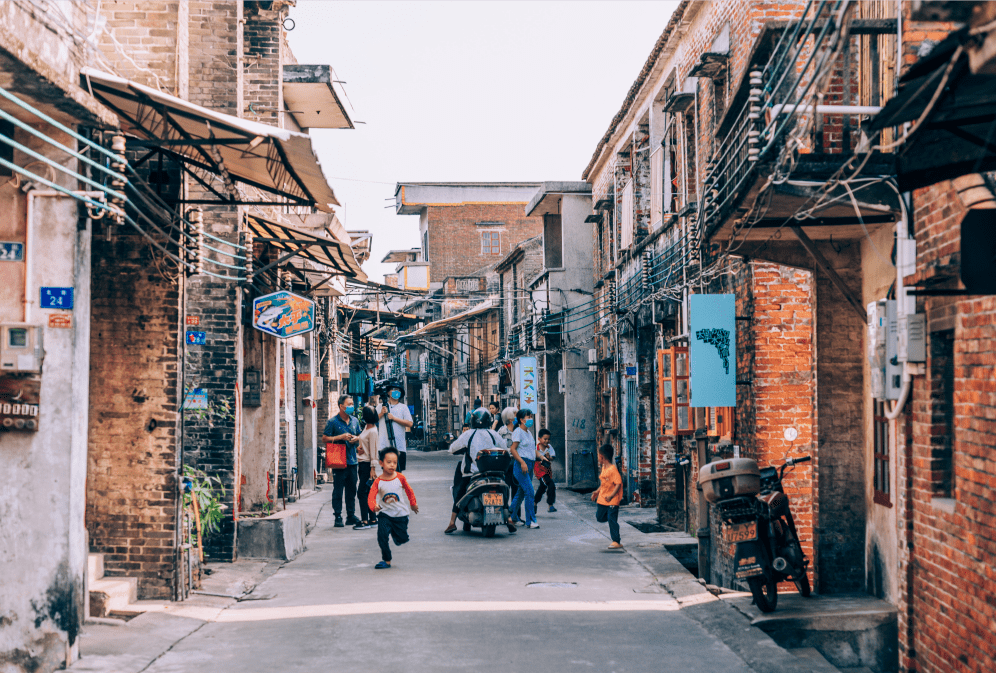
(196, 338)
(57, 297)
(713, 346)
(283, 314)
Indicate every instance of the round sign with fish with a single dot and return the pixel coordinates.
(283, 314)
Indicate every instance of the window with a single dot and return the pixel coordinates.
(490, 243)
(553, 248)
(880, 431)
(626, 217)
(657, 187)
(942, 379)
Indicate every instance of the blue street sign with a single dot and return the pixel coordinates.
(57, 297)
(713, 347)
(196, 338)
(196, 399)
(283, 314)
(11, 252)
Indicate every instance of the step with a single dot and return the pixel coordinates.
(94, 567)
(814, 660)
(110, 594)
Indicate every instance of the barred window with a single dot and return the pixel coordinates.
(882, 477)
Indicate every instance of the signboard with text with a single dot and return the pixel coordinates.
(526, 374)
(283, 314)
(713, 346)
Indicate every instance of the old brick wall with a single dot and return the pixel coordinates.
(945, 472)
(132, 492)
(455, 235)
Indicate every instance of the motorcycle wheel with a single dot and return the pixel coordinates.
(489, 531)
(765, 592)
(802, 584)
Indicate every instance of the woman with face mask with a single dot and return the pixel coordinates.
(523, 450)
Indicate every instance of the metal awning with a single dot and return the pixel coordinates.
(440, 325)
(332, 254)
(361, 314)
(268, 158)
(310, 96)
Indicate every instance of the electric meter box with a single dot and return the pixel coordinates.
(20, 348)
(722, 479)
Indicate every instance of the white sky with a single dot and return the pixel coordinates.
(467, 91)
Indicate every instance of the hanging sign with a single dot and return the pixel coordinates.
(283, 314)
(713, 343)
(527, 383)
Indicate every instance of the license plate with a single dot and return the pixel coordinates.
(494, 499)
(741, 532)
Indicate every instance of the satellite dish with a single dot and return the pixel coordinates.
(791, 434)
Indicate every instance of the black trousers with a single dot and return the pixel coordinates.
(460, 484)
(547, 486)
(402, 460)
(388, 527)
(610, 514)
(363, 490)
(344, 479)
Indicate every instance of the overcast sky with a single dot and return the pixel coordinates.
(467, 91)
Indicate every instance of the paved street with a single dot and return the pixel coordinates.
(458, 602)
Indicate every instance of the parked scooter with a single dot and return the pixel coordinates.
(755, 510)
(485, 504)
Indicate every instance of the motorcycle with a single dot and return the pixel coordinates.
(485, 505)
(758, 520)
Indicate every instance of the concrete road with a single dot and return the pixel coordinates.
(548, 600)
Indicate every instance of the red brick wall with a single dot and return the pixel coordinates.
(455, 239)
(947, 605)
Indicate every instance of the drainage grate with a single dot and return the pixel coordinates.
(552, 585)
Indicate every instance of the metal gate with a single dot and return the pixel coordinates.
(632, 440)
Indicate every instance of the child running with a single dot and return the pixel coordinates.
(609, 495)
(391, 498)
(544, 470)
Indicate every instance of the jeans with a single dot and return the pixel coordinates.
(363, 490)
(547, 486)
(391, 527)
(525, 491)
(344, 478)
(609, 513)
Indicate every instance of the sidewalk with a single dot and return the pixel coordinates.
(718, 617)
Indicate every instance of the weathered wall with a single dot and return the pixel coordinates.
(455, 239)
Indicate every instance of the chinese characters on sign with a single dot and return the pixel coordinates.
(283, 314)
(196, 399)
(57, 297)
(713, 330)
(527, 384)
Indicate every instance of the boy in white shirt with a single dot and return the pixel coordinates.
(391, 498)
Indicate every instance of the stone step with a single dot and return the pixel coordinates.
(814, 660)
(110, 594)
(94, 567)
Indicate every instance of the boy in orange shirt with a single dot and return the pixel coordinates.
(609, 495)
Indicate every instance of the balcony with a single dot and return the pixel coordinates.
(791, 128)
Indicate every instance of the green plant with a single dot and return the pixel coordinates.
(209, 492)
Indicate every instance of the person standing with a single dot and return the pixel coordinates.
(343, 428)
(505, 432)
(395, 421)
(544, 470)
(495, 418)
(609, 495)
(366, 456)
(524, 453)
(392, 499)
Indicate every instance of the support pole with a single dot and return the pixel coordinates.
(702, 532)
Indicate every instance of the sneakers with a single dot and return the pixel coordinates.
(363, 525)
(383, 565)
(552, 509)
(338, 523)
(352, 520)
(532, 525)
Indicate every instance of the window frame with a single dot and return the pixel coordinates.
(881, 454)
(491, 248)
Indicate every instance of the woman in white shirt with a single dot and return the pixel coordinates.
(523, 450)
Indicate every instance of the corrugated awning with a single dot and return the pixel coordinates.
(332, 254)
(268, 158)
(440, 325)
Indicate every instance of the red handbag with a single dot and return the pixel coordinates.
(335, 456)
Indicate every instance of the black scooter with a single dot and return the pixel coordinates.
(755, 510)
(485, 505)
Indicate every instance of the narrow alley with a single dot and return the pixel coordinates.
(552, 599)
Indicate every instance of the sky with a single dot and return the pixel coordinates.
(466, 91)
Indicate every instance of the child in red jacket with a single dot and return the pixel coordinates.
(391, 498)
